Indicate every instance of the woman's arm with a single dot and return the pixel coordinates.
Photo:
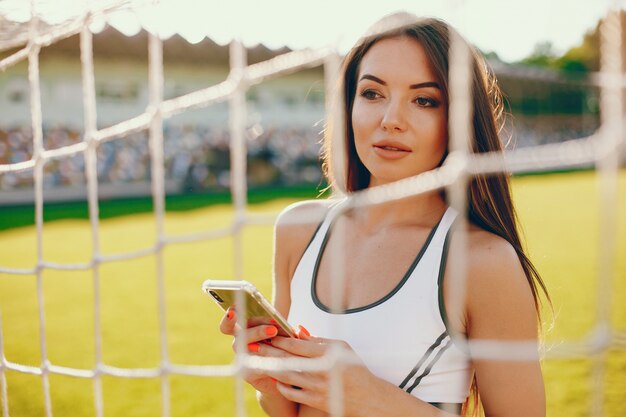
(292, 233)
(500, 308)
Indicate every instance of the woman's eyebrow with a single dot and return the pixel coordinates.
(373, 78)
(425, 84)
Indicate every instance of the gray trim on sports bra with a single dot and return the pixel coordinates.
(442, 307)
(397, 288)
(449, 407)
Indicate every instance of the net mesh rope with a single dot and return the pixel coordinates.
(602, 150)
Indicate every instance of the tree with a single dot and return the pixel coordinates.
(584, 57)
(578, 59)
(587, 54)
(543, 55)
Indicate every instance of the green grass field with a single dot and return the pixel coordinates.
(560, 216)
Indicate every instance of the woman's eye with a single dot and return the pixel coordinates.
(426, 102)
(370, 94)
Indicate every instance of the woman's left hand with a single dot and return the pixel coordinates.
(313, 388)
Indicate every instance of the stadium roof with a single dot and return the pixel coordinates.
(278, 23)
(111, 43)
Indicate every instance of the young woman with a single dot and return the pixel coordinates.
(397, 315)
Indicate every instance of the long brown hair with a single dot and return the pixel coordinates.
(490, 205)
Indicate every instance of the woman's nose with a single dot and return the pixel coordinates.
(394, 118)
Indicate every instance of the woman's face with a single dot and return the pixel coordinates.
(399, 113)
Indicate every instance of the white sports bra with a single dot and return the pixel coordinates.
(402, 338)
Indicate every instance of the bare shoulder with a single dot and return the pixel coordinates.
(303, 214)
(491, 259)
(499, 303)
(491, 256)
(294, 229)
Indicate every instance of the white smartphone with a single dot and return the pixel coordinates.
(224, 293)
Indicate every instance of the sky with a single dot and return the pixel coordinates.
(511, 28)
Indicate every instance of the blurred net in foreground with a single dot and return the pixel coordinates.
(601, 150)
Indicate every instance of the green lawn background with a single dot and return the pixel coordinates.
(560, 219)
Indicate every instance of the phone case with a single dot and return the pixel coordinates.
(223, 292)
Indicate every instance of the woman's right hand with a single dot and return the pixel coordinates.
(258, 338)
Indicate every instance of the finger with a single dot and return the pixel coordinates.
(267, 350)
(303, 333)
(306, 348)
(255, 335)
(294, 393)
(261, 333)
(264, 320)
(252, 347)
(227, 325)
(300, 379)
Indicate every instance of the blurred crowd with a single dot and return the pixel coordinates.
(198, 157)
(544, 129)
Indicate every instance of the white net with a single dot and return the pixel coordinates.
(602, 150)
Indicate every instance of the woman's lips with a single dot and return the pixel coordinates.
(391, 150)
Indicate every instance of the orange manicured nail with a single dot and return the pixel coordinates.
(230, 314)
(253, 347)
(271, 331)
(303, 332)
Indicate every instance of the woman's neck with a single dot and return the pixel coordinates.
(422, 210)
